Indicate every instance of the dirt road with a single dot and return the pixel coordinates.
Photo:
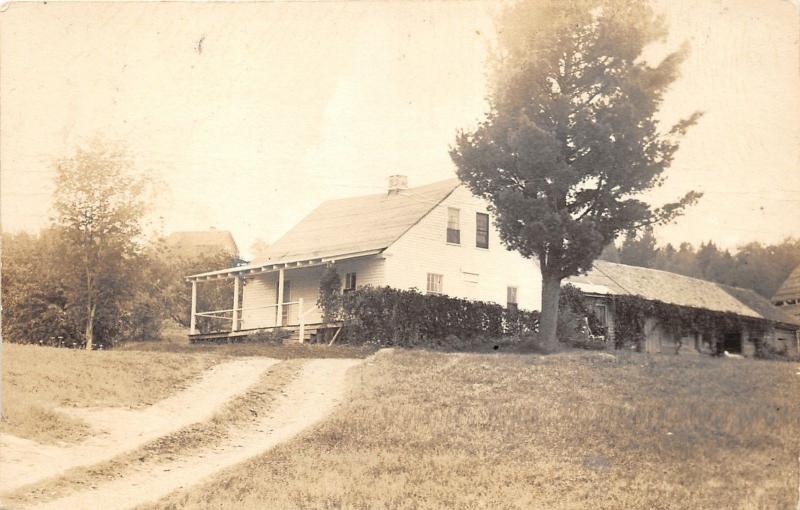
(304, 402)
(120, 430)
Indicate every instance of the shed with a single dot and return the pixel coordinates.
(607, 279)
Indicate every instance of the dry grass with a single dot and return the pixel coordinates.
(289, 350)
(568, 431)
(240, 412)
(38, 379)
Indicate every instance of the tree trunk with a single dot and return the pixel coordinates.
(90, 310)
(551, 290)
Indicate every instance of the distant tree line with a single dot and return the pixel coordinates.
(92, 278)
(762, 268)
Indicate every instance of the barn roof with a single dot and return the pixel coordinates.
(358, 224)
(790, 290)
(761, 305)
(653, 284)
(189, 243)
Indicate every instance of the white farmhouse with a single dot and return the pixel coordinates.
(436, 238)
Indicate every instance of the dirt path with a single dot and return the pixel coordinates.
(24, 462)
(304, 402)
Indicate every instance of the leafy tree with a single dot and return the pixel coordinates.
(34, 298)
(99, 204)
(638, 250)
(610, 253)
(168, 285)
(571, 139)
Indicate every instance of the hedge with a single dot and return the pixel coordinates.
(388, 316)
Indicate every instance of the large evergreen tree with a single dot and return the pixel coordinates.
(572, 139)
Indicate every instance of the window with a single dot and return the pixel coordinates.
(511, 299)
(349, 282)
(453, 225)
(434, 283)
(601, 315)
(482, 230)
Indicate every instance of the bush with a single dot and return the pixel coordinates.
(272, 336)
(387, 316)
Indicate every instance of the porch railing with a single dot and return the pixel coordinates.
(236, 316)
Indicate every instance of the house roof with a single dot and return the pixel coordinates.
(195, 242)
(358, 224)
(790, 288)
(653, 284)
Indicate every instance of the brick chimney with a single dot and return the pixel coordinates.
(397, 183)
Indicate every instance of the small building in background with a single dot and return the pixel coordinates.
(195, 243)
(771, 327)
(788, 296)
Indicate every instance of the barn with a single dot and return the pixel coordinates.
(760, 323)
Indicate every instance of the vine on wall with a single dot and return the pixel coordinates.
(631, 312)
(330, 294)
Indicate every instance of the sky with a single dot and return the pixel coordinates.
(251, 114)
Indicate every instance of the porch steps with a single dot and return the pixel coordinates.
(308, 334)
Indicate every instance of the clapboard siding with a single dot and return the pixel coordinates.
(468, 272)
(261, 290)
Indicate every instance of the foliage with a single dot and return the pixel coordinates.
(388, 316)
(762, 268)
(273, 336)
(572, 139)
(35, 299)
(631, 312)
(577, 321)
(166, 275)
(99, 204)
(330, 294)
(40, 305)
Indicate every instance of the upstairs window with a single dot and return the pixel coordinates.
(434, 283)
(482, 230)
(511, 299)
(349, 282)
(453, 225)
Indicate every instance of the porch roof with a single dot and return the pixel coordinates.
(270, 266)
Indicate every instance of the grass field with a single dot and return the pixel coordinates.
(291, 350)
(38, 379)
(237, 413)
(572, 430)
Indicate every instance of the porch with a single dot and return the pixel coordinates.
(267, 297)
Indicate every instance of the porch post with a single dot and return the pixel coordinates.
(279, 318)
(302, 320)
(193, 319)
(236, 283)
